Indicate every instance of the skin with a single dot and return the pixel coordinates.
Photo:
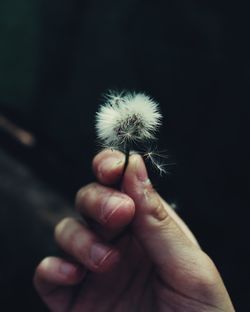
(133, 254)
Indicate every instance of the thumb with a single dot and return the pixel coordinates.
(161, 232)
(180, 263)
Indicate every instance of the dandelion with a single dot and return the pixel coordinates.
(128, 121)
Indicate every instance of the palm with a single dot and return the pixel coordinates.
(131, 286)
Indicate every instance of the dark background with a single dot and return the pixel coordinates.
(57, 58)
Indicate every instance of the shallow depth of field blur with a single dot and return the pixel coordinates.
(57, 58)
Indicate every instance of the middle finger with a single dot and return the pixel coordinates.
(108, 207)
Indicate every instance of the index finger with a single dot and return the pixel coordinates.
(108, 166)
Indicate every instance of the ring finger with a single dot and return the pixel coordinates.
(79, 242)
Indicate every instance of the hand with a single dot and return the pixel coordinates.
(135, 253)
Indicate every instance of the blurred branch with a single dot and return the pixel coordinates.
(22, 136)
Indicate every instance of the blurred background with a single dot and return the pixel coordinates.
(57, 58)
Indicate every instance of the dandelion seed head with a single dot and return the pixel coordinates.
(130, 120)
(127, 118)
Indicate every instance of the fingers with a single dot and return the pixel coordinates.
(106, 206)
(108, 166)
(54, 271)
(84, 246)
(152, 213)
(53, 280)
(165, 239)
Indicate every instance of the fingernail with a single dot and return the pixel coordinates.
(109, 164)
(111, 205)
(141, 171)
(99, 253)
(67, 268)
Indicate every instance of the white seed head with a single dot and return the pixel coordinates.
(127, 118)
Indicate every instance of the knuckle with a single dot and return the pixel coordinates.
(79, 244)
(42, 269)
(61, 227)
(83, 193)
(75, 239)
(72, 238)
(97, 158)
(157, 208)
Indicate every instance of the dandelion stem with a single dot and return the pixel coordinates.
(126, 152)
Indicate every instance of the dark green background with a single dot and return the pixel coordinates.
(57, 58)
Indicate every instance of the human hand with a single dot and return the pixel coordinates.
(135, 254)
